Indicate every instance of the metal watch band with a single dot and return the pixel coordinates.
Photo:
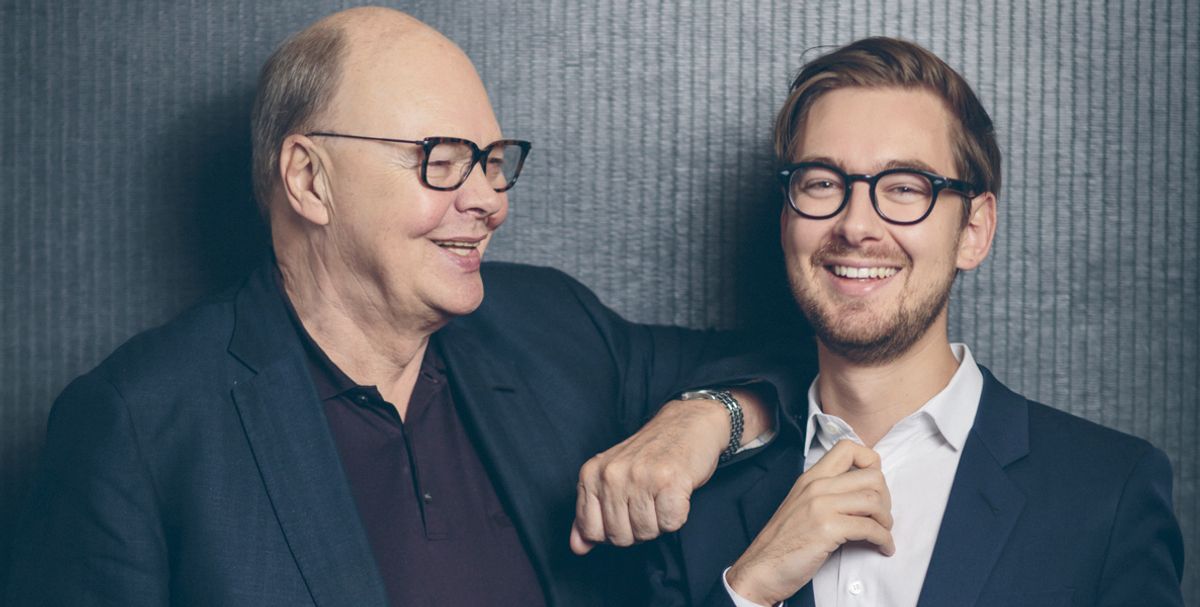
(735, 416)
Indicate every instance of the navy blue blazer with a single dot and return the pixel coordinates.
(194, 466)
(1046, 509)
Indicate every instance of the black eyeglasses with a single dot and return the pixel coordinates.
(446, 162)
(902, 196)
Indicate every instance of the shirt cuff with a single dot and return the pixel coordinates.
(738, 600)
(764, 439)
(748, 450)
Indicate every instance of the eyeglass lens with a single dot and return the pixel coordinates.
(450, 162)
(899, 195)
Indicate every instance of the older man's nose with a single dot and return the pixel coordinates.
(478, 197)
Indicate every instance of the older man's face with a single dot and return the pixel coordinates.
(416, 251)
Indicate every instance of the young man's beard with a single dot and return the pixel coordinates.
(879, 344)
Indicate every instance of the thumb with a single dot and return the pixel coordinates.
(579, 545)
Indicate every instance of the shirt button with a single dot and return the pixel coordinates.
(362, 398)
(428, 498)
(855, 587)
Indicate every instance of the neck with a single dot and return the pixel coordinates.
(873, 398)
(372, 343)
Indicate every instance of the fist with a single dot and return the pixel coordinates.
(642, 487)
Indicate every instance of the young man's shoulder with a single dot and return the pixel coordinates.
(1084, 441)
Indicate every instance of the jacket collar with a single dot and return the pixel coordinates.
(295, 452)
(983, 506)
(984, 503)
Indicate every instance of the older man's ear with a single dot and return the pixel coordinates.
(305, 179)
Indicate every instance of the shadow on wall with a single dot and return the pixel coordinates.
(209, 182)
(205, 231)
(762, 298)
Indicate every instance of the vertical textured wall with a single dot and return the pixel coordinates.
(125, 185)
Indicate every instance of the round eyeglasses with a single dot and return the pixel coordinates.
(902, 196)
(446, 162)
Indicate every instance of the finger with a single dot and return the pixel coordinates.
(859, 479)
(847, 455)
(671, 507)
(863, 529)
(589, 519)
(616, 522)
(840, 462)
(865, 503)
(643, 520)
(579, 545)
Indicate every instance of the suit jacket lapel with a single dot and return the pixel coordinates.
(984, 503)
(760, 501)
(296, 455)
(515, 439)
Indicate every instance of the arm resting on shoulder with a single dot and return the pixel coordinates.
(642, 486)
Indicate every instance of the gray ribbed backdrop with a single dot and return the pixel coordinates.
(124, 180)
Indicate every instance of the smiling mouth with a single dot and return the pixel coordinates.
(872, 273)
(461, 248)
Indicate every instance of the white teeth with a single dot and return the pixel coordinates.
(853, 272)
(458, 247)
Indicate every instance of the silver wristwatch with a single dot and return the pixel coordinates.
(735, 416)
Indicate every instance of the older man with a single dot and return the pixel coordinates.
(347, 428)
(922, 480)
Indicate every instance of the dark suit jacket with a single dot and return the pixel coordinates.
(1046, 509)
(194, 466)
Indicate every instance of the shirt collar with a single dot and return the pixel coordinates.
(952, 410)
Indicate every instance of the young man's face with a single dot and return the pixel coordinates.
(908, 269)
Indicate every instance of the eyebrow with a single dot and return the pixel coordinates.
(901, 163)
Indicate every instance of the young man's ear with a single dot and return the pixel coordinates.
(301, 168)
(978, 232)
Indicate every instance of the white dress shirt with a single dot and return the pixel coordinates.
(919, 456)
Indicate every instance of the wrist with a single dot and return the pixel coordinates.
(743, 580)
(712, 424)
(724, 407)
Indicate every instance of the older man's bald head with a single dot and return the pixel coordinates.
(354, 48)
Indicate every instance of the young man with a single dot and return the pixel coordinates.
(922, 479)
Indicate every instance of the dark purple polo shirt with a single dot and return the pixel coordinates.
(438, 531)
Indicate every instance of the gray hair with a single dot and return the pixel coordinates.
(296, 83)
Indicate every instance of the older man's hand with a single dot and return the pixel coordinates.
(642, 487)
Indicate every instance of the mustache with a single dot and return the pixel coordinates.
(838, 249)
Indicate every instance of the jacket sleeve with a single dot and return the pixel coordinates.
(91, 534)
(667, 583)
(659, 362)
(1144, 561)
